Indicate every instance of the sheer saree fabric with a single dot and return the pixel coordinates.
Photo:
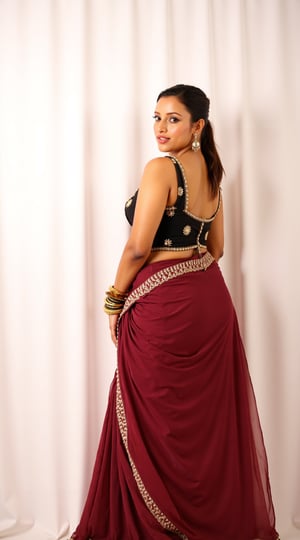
(181, 453)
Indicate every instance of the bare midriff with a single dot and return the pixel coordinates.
(161, 255)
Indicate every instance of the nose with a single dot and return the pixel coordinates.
(162, 126)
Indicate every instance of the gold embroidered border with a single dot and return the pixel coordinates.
(160, 277)
(171, 272)
(151, 505)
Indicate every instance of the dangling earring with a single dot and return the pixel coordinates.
(195, 144)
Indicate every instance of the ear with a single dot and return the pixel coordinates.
(198, 126)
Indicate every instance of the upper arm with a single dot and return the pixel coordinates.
(215, 240)
(151, 203)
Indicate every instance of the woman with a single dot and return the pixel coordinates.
(181, 453)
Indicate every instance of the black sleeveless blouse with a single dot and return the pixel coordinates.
(179, 229)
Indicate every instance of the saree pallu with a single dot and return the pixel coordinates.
(181, 453)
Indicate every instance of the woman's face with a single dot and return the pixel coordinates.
(173, 127)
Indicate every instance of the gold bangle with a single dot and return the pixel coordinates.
(113, 300)
(113, 311)
(116, 291)
(112, 291)
(113, 305)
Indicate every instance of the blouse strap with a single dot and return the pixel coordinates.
(181, 188)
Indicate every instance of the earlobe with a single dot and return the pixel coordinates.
(201, 124)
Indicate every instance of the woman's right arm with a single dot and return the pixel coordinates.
(151, 203)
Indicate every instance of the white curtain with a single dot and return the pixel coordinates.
(78, 84)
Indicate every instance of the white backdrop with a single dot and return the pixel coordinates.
(78, 84)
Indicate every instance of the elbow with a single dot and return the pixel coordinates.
(220, 252)
(137, 253)
(217, 252)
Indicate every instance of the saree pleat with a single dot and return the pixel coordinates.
(181, 453)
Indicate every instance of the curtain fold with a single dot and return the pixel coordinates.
(78, 83)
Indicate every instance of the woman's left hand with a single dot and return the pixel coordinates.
(113, 321)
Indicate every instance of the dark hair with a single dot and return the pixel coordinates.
(197, 103)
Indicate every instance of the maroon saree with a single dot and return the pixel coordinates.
(181, 453)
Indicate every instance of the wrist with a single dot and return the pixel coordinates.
(114, 301)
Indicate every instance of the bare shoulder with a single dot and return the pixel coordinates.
(159, 170)
(159, 165)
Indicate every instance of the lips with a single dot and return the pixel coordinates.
(162, 140)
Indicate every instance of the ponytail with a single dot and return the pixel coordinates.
(197, 103)
(214, 165)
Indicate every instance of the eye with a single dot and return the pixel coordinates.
(174, 119)
(156, 117)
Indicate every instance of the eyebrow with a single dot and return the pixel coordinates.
(170, 113)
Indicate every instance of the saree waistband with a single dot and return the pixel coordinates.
(194, 264)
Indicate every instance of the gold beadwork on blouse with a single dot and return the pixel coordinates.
(206, 220)
(199, 236)
(187, 230)
(168, 242)
(184, 248)
(129, 202)
(170, 211)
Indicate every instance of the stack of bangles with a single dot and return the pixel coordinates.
(114, 301)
